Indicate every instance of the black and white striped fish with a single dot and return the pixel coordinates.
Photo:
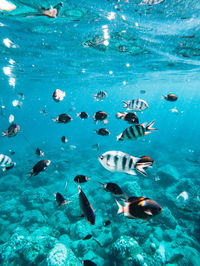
(6, 162)
(151, 2)
(136, 131)
(117, 161)
(100, 96)
(137, 105)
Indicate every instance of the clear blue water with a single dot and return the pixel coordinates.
(152, 48)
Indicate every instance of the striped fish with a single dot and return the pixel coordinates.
(136, 131)
(100, 96)
(137, 105)
(117, 161)
(5, 162)
(151, 2)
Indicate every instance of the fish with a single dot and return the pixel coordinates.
(39, 167)
(85, 207)
(81, 179)
(170, 97)
(83, 115)
(63, 118)
(131, 118)
(43, 111)
(117, 161)
(64, 140)
(58, 95)
(100, 116)
(183, 195)
(113, 188)
(87, 237)
(60, 199)
(6, 162)
(142, 91)
(39, 152)
(21, 96)
(17, 103)
(12, 130)
(136, 131)
(137, 105)
(102, 132)
(151, 2)
(11, 152)
(139, 208)
(88, 263)
(100, 96)
(144, 159)
(106, 223)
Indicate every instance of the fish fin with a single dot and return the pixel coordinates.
(105, 122)
(100, 183)
(147, 132)
(95, 131)
(30, 174)
(148, 212)
(4, 134)
(95, 97)
(144, 124)
(4, 169)
(149, 126)
(88, 178)
(54, 119)
(119, 137)
(163, 97)
(78, 114)
(79, 188)
(131, 172)
(54, 195)
(110, 164)
(121, 208)
(119, 115)
(125, 104)
(140, 167)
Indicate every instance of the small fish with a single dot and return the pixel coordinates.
(63, 118)
(100, 116)
(58, 95)
(6, 162)
(183, 195)
(102, 132)
(106, 223)
(131, 118)
(151, 2)
(60, 199)
(142, 91)
(88, 263)
(39, 152)
(170, 97)
(85, 207)
(39, 167)
(11, 152)
(21, 96)
(136, 131)
(87, 237)
(113, 188)
(11, 118)
(83, 115)
(139, 208)
(100, 96)
(81, 179)
(17, 103)
(44, 112)
(117, 161)
(64, 140)
(12, 130)
(137, 105)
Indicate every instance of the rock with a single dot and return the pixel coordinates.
(10, 183)
(168, 175)
(32, 217)
(166, 218)
(61, 255)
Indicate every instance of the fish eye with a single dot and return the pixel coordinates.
(101, 157)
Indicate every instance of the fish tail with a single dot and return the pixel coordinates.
(119, 115)
(4, 169)
(149, 126)
(95, 131)
(121, 208)
(125, 104)
(79, 188)
(4, 134)
(30, 174)
(54, 119)
(100, 183)
(140, 167)
(163, 97)
(119, 137)
(95, 96)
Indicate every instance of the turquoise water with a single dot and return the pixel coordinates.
(119, 47)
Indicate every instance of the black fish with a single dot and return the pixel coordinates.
(131, 118)
(9, 167)
(106, 223)
(60, 199)
(170, 97)
(12, 130)
(100, 116)
(88, 263)
(81, 179)
(83, 115)
(39, 152)
(63, 139)
(102, 132)
(113, 188)
(39, 167)
(142, 91)
(87, 237)
(63, 118)
(86, 208)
